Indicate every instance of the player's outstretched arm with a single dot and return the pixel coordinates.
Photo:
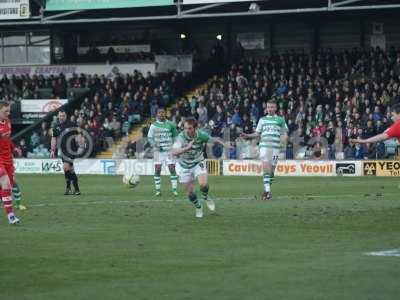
(253, 135)
(150, 137)
(374, 139)
(285, 139)
(177, 150)
(222, 143)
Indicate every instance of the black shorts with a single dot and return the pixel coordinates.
(67, 160)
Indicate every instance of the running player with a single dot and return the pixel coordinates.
(63, 129)
(189, 147)
(272, 131)
(161, 136)
(6, 162)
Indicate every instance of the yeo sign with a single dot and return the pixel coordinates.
(381, 168)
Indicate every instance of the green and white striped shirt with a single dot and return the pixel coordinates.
(161, 135)
(270, 129)
(194, 156)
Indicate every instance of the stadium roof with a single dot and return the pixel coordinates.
(166, 10)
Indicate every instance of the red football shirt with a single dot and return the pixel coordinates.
(394, 130)
(6, 144)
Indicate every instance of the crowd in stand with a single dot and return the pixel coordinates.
(113, 107)
(326, 99)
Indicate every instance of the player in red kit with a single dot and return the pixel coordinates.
(6, 162)
(392, 132)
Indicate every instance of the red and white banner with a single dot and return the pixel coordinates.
(108, 70)
(42, 105)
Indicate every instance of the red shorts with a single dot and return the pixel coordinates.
(8, 170)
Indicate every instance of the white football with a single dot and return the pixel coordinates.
(131, 181)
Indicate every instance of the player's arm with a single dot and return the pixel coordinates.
(285, 139)
(255, 134)
(177, 149)
(284, 134)
(53, 147)
(53, 142)
(150, 136)
(174, 131)
(377, 138)
(220, 142)
(15, 150)
(3, 132)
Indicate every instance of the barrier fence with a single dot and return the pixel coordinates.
(216, 167)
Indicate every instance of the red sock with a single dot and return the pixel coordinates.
(7, 201)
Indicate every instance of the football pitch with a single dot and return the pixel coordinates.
(112, 242)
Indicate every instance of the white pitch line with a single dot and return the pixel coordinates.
(84, 203)
(393, 252)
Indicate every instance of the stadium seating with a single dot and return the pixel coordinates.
(335, 95)
(332, 95)
(114, 106)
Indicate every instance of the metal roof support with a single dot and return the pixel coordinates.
(68, 13)
(366, 7)
(345, 2)
(178, 7)
(185, 15)
(259, 13)
(189, 11)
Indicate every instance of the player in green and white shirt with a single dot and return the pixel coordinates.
(189, 147)
(272, 131)
(161, 136)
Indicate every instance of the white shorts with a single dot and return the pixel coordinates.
(161, 158)
(188, 175)
(270, 155)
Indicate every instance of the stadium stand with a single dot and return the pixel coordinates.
(335, 95)
(112, 108)
(328, 95)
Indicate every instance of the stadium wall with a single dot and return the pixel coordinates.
(216, 167)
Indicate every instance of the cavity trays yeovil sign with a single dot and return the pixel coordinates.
(53, 5)
(284, 168)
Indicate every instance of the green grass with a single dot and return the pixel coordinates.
(118, 243)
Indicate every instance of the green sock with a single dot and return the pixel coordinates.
(194, 200)
(204, 192)
(16, 194)
(157, 182)
(267, 182)
(174, 180)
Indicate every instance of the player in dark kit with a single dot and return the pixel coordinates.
(63, 140)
